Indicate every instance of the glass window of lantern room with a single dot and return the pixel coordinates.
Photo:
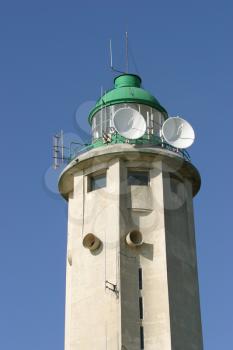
(111, 114)
(107, 124)
(102, 122)
(105, 113)
(158, 120)
(94, 129)
(98, 125)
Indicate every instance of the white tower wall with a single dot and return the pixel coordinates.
(100, 318)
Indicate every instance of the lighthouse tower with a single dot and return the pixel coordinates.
(131, 279)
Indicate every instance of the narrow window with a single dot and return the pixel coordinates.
(140, 277)
(96, 182)
(141, 338)
(177, 188)
(138, 178)
(140, 308)
(175, 183)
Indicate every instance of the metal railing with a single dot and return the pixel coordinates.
(147, 140)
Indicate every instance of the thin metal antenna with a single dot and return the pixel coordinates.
(58, 155)
(55, 151)
(111, 65)
(58, 150)
(111, 60)
(126, 52)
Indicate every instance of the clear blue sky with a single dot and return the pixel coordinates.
(54, 57)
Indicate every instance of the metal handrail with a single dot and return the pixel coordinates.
(146, 141)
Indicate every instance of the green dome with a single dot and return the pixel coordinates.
(127, 89)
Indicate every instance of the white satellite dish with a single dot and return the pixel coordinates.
(178, 132)
(129, 123)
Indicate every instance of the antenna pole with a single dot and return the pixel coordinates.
(110, 47)
(126, 52)
(55, 151)
(111, 60)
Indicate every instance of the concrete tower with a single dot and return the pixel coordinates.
(131, 280)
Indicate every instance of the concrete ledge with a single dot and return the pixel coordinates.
(171, 161)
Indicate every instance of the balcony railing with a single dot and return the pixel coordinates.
(147, 140)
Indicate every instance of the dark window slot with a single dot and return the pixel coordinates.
(141, 308)
(140, 277)
(142, 338)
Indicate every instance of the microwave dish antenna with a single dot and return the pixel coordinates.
(178, 132)
(129, 123)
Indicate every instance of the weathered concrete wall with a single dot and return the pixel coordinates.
(186, 332)
(98, 318)
(92, 311)
(142, 209)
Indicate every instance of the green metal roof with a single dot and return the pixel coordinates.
(127, 88)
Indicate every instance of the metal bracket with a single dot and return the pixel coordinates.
(112, 287)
